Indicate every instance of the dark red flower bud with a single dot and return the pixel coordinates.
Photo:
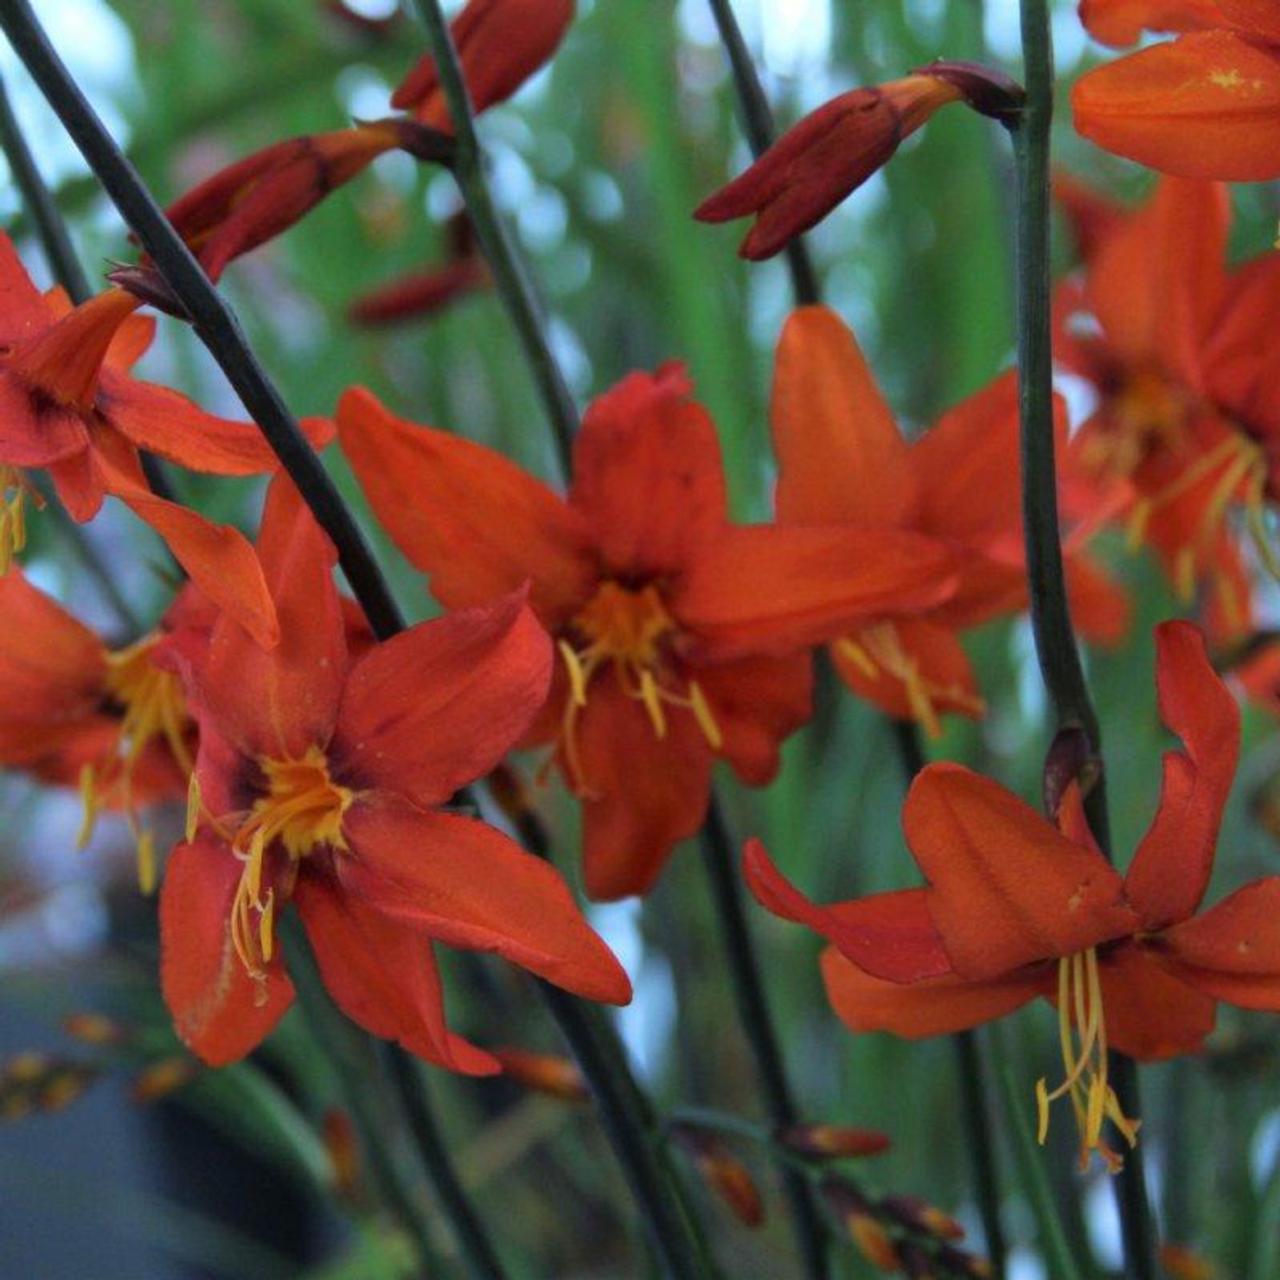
(860, 1219)
(544, 1073)
(1183, 1263)
(420, 294)
(163, 1077)
(340, 1141)
(833, 151)
(722, 1171)
(832, 1142)
(919, 1215)
(500, 44)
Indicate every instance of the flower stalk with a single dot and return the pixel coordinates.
(1056, 649)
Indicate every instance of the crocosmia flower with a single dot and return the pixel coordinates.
(1017, 907)
(1185, 431)
(843, 459)
(69, 406)
(319, 783)
(500, 44)
(1206, 105)
(680, 637)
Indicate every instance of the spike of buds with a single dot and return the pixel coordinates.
(835, 149)
(919, 1215)
(832, 1142)
(957, 1262)
(858, 1216)
(33, 1081)
(722, 1171)
(543, 1073)
(164, 1076)
(500, 44)
(94, 1028)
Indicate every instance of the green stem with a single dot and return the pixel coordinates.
(721, 865)
(976, 1110)
(510, 276)
(1056, 647)
(1030, 1161)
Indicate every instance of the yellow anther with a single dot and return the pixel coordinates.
(577, 678)
(703, 714)
(652, 700)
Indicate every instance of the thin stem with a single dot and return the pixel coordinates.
(473, 1241)
(757, 124)
(1030, 1161)
(210, 315)
(510, 276)
(720, 863)
(1056, 647)
(350, 1053)
(627, 1117)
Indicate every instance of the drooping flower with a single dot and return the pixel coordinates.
(318, 783)
(69, 406)
(1017, 907)
(74, 712)
(681, 637)
(1185, 430)
(252, 201)
(835, 149)
(500, 44)
(843, 459)
(1205, 105)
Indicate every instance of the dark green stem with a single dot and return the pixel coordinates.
(473, 1241)
(721, 864)
(1056, 647)
(757, 124)
(510, 277)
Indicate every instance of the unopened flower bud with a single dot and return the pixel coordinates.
(543, 1073)
(722, 1171)
(832, 1142)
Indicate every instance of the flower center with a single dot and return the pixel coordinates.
(14, 487)
(1083, 1032)
(301, 811)
(878, 650)
(153, 709)
(630, 628)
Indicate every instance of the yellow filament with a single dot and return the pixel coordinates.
(629, 629)
(13, 519)
(1082, 1034)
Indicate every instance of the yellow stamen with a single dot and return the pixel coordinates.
(630, 630)
(1082, 1033)
(14, 487)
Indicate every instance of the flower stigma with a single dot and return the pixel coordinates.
(631, 628)
(1082, 1030)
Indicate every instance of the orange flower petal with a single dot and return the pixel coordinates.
(891, 934)
(36, 433)
(932, 1007)
(464, 883)
(1257, 16)
(1006, 889)
(440, 704)
(1171, 867)
(647, 475)
(477, 523)
(1150, 1013)
(841, 456)
(383, 975)
(214, 1003)
(1206, 105)
(23, 310)
(1122, 22)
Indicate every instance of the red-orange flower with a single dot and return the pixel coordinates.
(1186, 429)
(252, 201)
(74, 712)
(681, 637)
(500, 44)
(1017, 908)
(842, 459)
(1206, 105)
(835, 149)
(319, 782)
(69, 406)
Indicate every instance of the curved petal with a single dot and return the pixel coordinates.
(166, 422)
(932, 1007)
(1122, 22)
(465, 515)
(219, 1012)
(1257, 16)
(890, 935)
(383, 975)
(277, 702)
(641, 794)
(1150, 1014)
(23, 310)
(1232, 951)
(1100, 605)
(841, 456)
(465, 883)
(757, 703)
(1006, 889)
(780, 588)
(1171, 867)
(1206, 105)
(647, 475)
(440, 704)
